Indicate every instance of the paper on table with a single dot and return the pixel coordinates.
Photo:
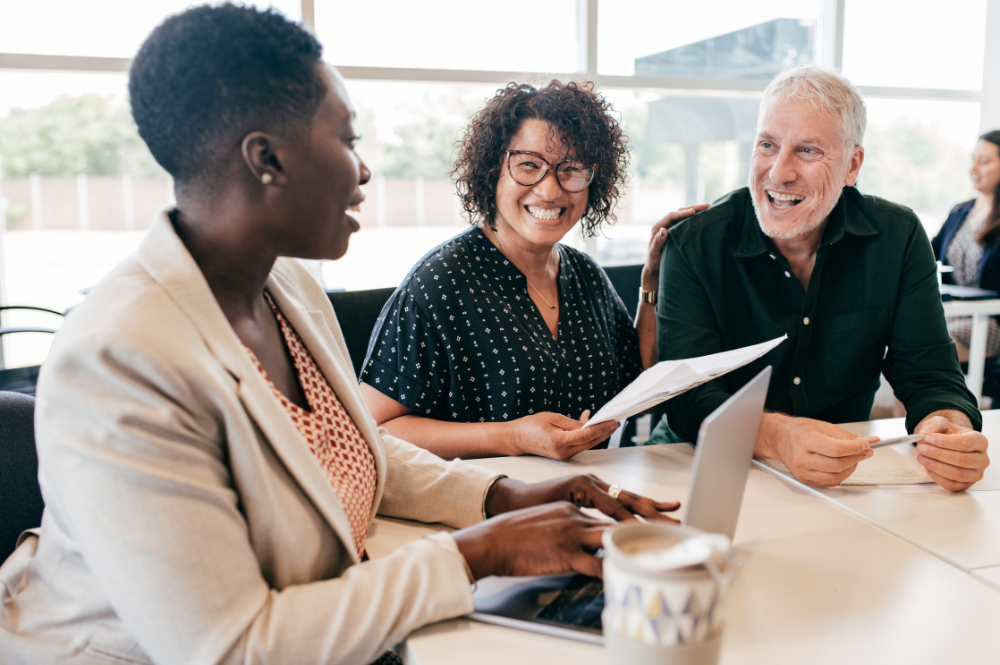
(888, 467)
(672, 377)
(885, 467)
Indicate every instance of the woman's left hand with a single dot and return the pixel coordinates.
(657, 238)
(584, 490)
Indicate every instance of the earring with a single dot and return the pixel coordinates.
(266, 178)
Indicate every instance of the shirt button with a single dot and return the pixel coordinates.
(773, 256)
(805, 321)
(788, 274)
(796, 380)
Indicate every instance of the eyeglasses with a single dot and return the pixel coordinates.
(529, 168)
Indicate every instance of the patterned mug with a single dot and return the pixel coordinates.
(661, 616)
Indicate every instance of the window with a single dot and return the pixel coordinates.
(515, 36)
(108, 28)
(889, 44)
(78, 188)
(918, 153)
(408, 133)
(716, 38)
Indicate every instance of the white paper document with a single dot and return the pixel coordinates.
(886, 467)
(672, 377)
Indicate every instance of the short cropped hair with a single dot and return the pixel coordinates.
(584, 122)
(207, 77)
(826, 89)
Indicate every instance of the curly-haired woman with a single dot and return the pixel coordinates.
(498, 337)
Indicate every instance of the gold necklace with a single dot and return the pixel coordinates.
(504, 250)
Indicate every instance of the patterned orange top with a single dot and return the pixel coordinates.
(330, 433)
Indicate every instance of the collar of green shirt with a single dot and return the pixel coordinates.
(846, 217)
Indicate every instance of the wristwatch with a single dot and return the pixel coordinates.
(648, 297)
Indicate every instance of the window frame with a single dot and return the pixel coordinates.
(830, 51)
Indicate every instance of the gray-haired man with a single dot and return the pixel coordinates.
(850, 278)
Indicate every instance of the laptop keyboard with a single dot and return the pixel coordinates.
(579, 604)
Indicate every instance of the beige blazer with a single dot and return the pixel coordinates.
(186, 521)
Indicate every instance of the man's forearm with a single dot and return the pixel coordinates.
(773, 430)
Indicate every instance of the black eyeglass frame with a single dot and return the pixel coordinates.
(549, 167)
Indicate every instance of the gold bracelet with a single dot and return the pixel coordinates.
(648, 297)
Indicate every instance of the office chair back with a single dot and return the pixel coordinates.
(626, 280)
(357, 312)
(20, 496)
(22, 379)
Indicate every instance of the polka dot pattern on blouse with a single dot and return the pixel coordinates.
(461, 340)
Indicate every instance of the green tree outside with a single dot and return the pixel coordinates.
(88, 134)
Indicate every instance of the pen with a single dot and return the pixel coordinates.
(899, 439)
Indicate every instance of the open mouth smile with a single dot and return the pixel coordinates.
(545, 214)
(779, 200)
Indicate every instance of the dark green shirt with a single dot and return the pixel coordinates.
(724, 285)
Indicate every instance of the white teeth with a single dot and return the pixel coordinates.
(545, 213)
(785, 197)
(355, 208)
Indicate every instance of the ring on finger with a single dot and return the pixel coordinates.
(614, 491)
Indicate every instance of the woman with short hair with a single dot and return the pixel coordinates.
(497, 340)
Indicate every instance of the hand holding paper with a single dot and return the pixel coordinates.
(672, 377)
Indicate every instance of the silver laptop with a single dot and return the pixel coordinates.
(570, 605)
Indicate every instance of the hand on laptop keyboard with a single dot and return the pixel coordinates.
(584, 490)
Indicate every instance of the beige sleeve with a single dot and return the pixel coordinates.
(423, 487)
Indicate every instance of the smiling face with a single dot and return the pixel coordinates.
(540, 215)
(324, 179)
(799, 166)
(985, 170)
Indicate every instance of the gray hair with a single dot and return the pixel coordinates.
(826, 89)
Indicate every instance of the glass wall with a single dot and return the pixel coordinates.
(104, 28)
(918, 153)
(78, 188)
(713, 38)
(408, 134)
(515, 36)
(886, 44)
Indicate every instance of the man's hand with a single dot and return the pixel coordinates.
(583, 490)
(556, 436)
(952, 453)
(817, 453)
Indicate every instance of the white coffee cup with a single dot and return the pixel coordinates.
(664, 604)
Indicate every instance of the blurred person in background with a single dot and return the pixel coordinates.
(969, 240)
(502, 341)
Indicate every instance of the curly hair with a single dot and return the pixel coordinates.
(581, 119)
(206, 77)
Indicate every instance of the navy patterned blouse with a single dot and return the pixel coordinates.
(461, 340)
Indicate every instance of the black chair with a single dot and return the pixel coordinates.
(23, 379)
(626, 280)
(20, 496)
(357, 312)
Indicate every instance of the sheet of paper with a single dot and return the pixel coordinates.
(888, 467)
(672, 377)
(885, 467)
